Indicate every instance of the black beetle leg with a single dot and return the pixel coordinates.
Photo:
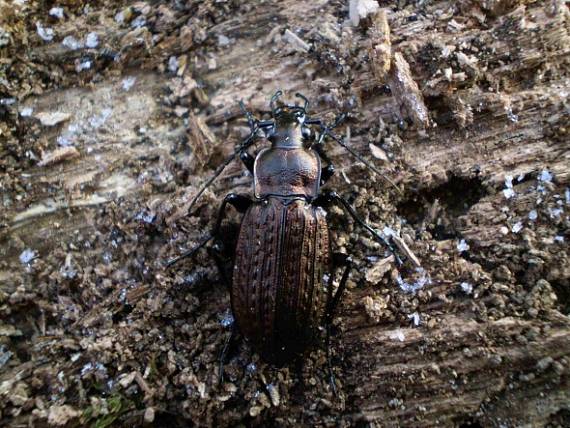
(215, 251)
(224, 353)
(326, 173)
(248, 160)
(328, 198)
(339, 259)
(240, 202)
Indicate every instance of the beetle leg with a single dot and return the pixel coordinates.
(328, 198)
(248, 160)
(240, 202)
(224, 353)
(215, 251)
(332, 379)
(326, 173)
(339, 259)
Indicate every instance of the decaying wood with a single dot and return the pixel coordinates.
(480, 335)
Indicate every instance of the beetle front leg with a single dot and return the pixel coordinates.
(248, 160)
(224, 353)
(327, 171)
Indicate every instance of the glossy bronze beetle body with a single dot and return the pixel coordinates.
(279, 292)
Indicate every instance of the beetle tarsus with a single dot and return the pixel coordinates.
(188, 253)
(332, 378)
(339, 260)
(224, 353)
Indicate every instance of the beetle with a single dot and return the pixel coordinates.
(279, 296)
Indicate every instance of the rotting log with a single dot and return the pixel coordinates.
(483, 339)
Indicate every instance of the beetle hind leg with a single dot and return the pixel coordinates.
(339, 260)
(224, 353)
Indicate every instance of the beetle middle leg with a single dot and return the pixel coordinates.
(240, 202)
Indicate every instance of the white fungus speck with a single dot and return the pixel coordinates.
(533, 215)
(415, 318)
(227, 320)
(466, 287)
(555, 212)
(545, 176)
(83, 65)
(504, 230)
(72, 43)
(398, 335)
(462, 246)
(56, 12)
(98, 120)
(407, 287)
(509, 193)
(92, 40)
(138, 22)
(559, 238)
(45, 33)
(27, 256)
(128, 82)
(512, 117)
(223, 40)
(26, 111)
(567, 195)
(173, 64)
(517, 227)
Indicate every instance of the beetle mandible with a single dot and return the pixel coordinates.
(283, 252)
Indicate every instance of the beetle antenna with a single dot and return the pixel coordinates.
(243, 146)
(304, 98)
(273, 100)
(326, 130)
(250, 119)
(341, 142)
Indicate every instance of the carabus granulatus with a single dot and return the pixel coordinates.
(279, 296)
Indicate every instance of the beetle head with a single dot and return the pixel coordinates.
(289, 121)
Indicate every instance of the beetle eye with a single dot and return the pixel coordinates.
(307, 133)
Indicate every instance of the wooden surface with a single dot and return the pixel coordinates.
(492, 343)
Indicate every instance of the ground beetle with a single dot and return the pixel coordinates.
(282, 285)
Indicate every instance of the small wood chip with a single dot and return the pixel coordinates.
(407, 92)
(295, 41)
(52, 118)
(406, 250)
(59, 155)
(381, 46)
(377, 152)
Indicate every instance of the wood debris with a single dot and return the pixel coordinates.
(394, 69)
(52, 118)
(59, 155)
(295, 41)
